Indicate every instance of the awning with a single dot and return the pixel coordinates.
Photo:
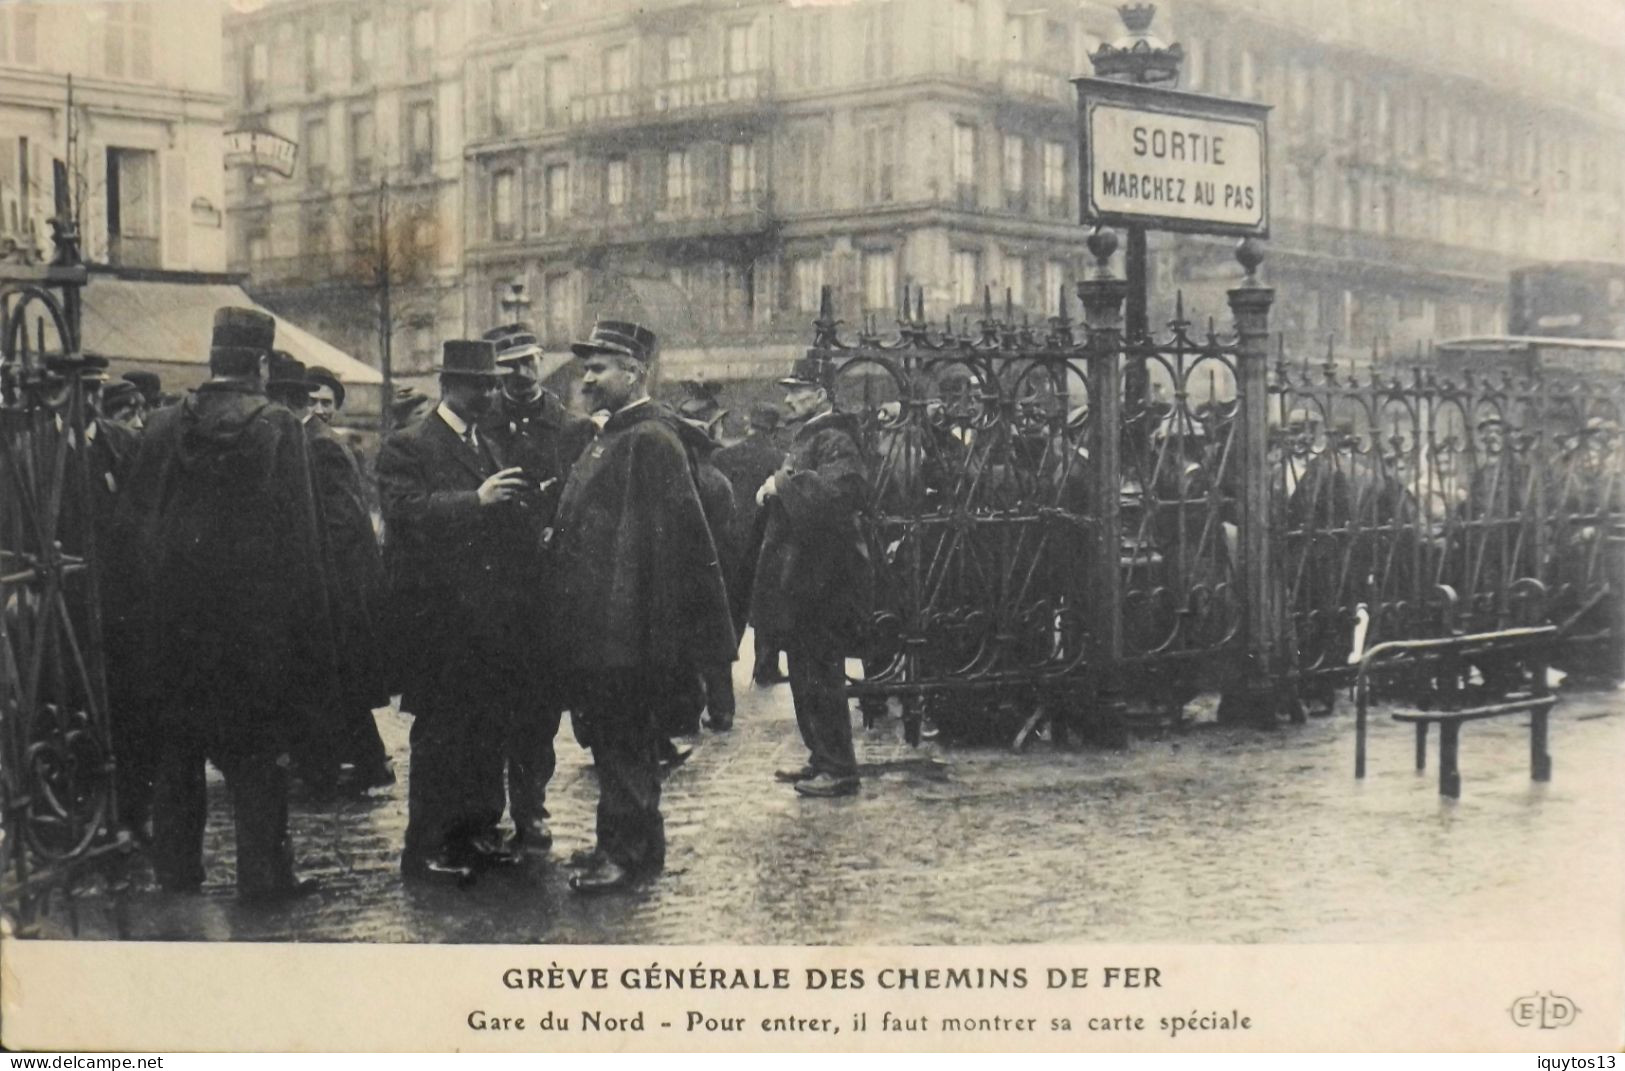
(164, 326)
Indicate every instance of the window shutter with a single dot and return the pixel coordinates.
(480, 119)
(533, 75)
(482, 202)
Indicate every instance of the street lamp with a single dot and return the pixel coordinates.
(515, 302)
(1139, 56)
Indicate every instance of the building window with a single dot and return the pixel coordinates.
(741, 48)
(316, 152)
(1054, 282)
(964, 34)
(1015, 178)
(1015, 39)
(617, 69)
(879, 279)
(256, 66)
(809, 51)
(679, 58)
(806, 283)
(361, 50)
(128, 39)
(877, 41)
(315, 58)
(361, 145)
(420, 51)
(132, 207)
(615, 182)
(1015, 279)
(741, 172)
(557, 179)
(1055, 178)
(803, 154)
(558, 90)
(502, 205)
(19, 29)
(879, 163)
(258, 247)
(502, 100)
(313, 242)
(965, 163)
(677, 178)
(420, 127)
(967, 276)
(556, 294)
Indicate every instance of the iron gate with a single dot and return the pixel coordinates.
(1073, 526)
(56, 756)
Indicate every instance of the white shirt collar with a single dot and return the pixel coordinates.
(458, 424)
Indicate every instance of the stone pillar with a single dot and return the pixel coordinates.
(1103, 297)
(1256, 700)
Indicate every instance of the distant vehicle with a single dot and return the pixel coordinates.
(1565, 320)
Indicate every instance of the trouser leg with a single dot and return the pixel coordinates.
(626, 752)
(766, 665)
(435, 796)
(259, 804)
(719, 691)
(180, 811)
(531, 762)
(818, 692)
(363, 746)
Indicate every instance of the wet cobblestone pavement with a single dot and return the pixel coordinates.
(1210, 834)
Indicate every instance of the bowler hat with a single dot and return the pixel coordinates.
(326, 377)
(152, 388)
(514, 342)
(764, 417)
(468, 357)
(809, 372)
(116, 396)
(287, 376)
(619, 336)
(243, 328)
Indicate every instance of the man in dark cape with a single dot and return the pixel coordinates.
(747, 464)
(538, 433)
(814, 585)
(640, 597)
(447, 499)
(221, 521)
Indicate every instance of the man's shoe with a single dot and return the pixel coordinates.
(277, 894)
(672, 756)
(608, 876)
(586, 859)
(533, 837)
(800, 773)
(440, 868)
(767, 680)
(487, 852)
(826, 786)
(718, 723)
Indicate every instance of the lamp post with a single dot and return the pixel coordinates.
(515, 302)
(1140, 57)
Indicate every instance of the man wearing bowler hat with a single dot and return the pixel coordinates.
(446, 499)
(813, 580)
(537, 433)
(225, 585)
(747, 464)
(639, 596)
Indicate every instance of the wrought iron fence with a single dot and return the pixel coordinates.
(57, 801)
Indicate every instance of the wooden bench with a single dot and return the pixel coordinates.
(1537, 702)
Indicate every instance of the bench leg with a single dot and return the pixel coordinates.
(1421, 746)
(1540, 760)
(1449, 774)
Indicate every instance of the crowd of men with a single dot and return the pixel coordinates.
(532, 560)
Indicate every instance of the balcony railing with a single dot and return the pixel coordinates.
(694, 217)
(696, 96)
(1025, 80)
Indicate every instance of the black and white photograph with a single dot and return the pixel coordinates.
(838, 474)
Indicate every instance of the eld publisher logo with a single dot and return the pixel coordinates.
(1545, 1010)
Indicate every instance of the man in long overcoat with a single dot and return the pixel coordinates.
(747, 464)
(814, 584)
(536, 432)
(446, 499)
(222, 523)
(640, 596)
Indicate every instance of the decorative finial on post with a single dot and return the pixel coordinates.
(1249, 256)
(1102, 243)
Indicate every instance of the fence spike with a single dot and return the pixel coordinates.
(919, 304)
(826, 303)
(1009, 306)
(1063, 301)
(1179, 305)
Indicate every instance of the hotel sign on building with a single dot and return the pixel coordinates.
(1172, 161)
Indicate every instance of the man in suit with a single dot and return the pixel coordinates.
(446, 500)
(814, 585)
(535, 432)
(747, 464)
(225, 587)
(639, 596)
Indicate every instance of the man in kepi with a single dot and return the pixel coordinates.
(813, 580)
(639, 597)
(446, 497)
(220, 516)
(536, 432)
